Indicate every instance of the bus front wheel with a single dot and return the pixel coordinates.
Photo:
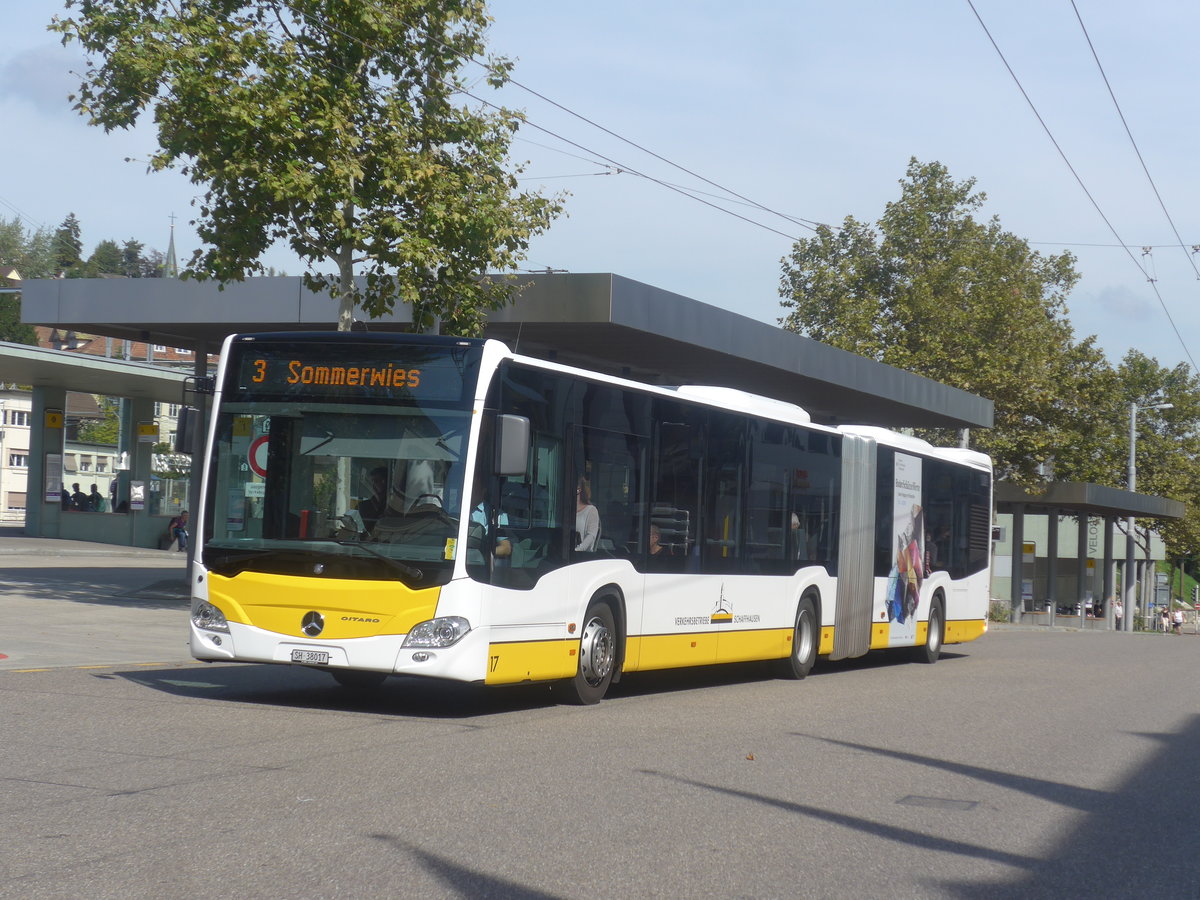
(597, 658)
(804, 643)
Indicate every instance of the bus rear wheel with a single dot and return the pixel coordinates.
(935, 635)
(597, 658)
(804, 643)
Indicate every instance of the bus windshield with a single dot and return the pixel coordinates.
(352, 482)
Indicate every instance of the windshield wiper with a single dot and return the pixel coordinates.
(411, 571)
(329, 436)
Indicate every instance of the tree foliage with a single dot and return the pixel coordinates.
(107, 428)
(1168, 442)
(68, 246)
(333, 126)
(106, 259)
(932, 290)
(31, 255)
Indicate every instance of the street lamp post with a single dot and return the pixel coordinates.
(1127, 593)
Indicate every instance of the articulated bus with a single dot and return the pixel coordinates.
(393, 504)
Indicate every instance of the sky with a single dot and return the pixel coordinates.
(810, 109)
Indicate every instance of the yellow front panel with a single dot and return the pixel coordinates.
(671, 651)
(965, 630)
(352, 609)
(741, 646)
(531, 661)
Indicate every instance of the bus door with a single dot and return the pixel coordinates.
(675, 624)
(607, 496)
(746, 535)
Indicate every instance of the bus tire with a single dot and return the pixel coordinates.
(357, 679)
(597, 658)
(805, 639)
(935, 633)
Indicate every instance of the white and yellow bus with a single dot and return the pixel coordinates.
(379, 504)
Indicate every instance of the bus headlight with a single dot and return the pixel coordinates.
(442, 632)
(208, 617)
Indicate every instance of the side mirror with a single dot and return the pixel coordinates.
(512, 445)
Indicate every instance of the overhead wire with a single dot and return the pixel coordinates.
(795, 220)
(21, 215)
(607, 159)
(1153, 284)
(1129, 134)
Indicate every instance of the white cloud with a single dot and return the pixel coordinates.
(41, 76)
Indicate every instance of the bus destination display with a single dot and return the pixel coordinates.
(412, 374)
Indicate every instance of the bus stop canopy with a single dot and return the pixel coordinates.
(599, 321)
(1083, 498)
(39, 367)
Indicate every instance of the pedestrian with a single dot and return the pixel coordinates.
(1177, 621)
(177, 531)
(79, 500)
(96, 500)
(1163, 618)
(1118, 612)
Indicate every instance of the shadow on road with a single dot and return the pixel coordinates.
(313, 688)
(461, 879)
(1134, 840)
(130, 586)
(307, 688)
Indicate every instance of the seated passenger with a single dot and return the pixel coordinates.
(479, 540)
(587, 520)
(373, 508)
(657, 548)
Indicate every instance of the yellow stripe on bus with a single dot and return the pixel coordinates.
(965, 630)
(670, 651)
(512, 663)
(519, 661)
(826, 646)
(742, 646)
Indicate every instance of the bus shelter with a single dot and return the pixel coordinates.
(52, 374)
(1096, 510)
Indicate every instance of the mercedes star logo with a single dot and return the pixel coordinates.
(313, 623)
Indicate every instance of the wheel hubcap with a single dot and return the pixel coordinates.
(804, 636)
(596, 652)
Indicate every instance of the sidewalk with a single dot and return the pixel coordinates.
(14, 542)
(80, 603)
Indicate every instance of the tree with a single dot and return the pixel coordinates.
(68, 247)
(106, 259)
(28, 254)
(154, 264)
(330, 125)
(131, 258)
(935, 292)
(107, 428)
(12, 329)
(1168, 442)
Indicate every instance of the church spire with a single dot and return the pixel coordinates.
(170, 266)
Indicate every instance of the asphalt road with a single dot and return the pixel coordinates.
(1027, 764)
